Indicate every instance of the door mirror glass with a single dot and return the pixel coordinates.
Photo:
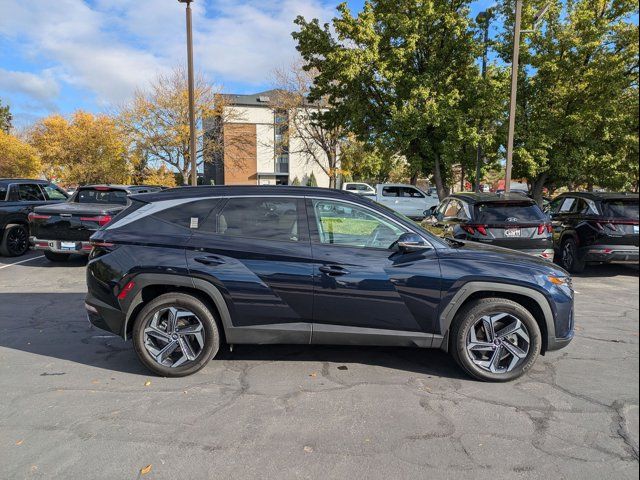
(411, 242)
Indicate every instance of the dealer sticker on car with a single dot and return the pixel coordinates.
(512, 232)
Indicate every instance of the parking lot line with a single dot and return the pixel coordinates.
(21, 261)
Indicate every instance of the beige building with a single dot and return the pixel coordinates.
(257, 147)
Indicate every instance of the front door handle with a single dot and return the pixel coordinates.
(334, 270)
(210, 260)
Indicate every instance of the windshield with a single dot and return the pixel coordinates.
(621, 209)
(106, 196)
(497, 212)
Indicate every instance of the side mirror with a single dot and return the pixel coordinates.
(430, 211)
(411, 242)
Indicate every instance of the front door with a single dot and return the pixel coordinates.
(257, 251)
(361, 283)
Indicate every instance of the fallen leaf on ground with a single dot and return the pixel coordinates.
(145, 470)
(19, 442)
(343, 367)
(147, 383)
(314, 374)
(308, 449)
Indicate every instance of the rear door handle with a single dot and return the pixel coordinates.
(334, 270)
(210, 260)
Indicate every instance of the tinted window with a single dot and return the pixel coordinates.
(455, 209)
(585, 207)
(567, 205)
(341, 223)
(411, 192)
(3, 192)
(265, 218)
(103, 196)
(53, 193)
(620, 209)
(30, 192)
(494, 212)
(391, 191)
(192, 215)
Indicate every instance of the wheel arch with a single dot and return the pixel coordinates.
(534, 301)
(150, 286)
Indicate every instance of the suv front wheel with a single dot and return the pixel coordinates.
(175, 335)
(495, 339)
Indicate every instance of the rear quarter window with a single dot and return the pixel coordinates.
(195, 215)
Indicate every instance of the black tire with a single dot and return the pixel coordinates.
(203, 314)
(56, 257)
(570, 258)
(468, 317)
(15, 241)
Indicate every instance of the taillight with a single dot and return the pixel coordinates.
(545, 228)
(37, 216)
(549, 228)
(126, 290)
(101, 220)
(472, 229)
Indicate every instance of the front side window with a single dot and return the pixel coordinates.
(30, 192)
(350, 225)
(262, 218)
(54, 193)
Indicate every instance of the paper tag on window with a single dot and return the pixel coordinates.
(194, 222)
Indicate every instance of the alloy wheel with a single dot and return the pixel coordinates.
(498, 343)
(174, 336)
(17, 241)
(568, 255)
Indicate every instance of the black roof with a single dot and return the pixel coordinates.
(24, 180)
(472, 197)
(601, 195)
(223, 190)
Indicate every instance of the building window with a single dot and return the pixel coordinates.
(281, 141)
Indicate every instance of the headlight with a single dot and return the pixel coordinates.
(564, 283)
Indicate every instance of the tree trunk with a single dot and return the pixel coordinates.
(537, 186)
(442, 189)
(414, 179)
(462, 178)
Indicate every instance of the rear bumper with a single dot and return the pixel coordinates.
(611, 254)
(61, 246)
(104, 316)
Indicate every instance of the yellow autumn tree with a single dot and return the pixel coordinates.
(17, 158)
(84, 149)
(160, 176)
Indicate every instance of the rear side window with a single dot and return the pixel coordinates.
(567, 205)
(30, 192)
(54, 193)
(3, 193)
(102, 196)
(411, 192)
(262, 218)
(621, 209)
(495, 212)
(391, 191)
(193, 215)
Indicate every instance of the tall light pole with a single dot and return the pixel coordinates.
(514, 83)
(484, 19)
(193, 153)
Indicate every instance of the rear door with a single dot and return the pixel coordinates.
(256, 250)
(360, 283)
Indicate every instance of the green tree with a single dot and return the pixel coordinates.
(577, 111)
(396, 74)
(311, 181)
(369, 163)
(5, 118)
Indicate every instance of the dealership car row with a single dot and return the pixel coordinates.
(183, 271)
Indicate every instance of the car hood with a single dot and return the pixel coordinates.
(492, 253)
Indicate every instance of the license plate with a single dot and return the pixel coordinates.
(67, 245)
(512, 232)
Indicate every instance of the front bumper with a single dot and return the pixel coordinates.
(62, 246)
(611, 254)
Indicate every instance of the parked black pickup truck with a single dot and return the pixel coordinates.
(64, 229)
(18, 197)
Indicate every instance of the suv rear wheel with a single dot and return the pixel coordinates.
(495, 339)
(569, 258)
(175, 335)
(14, 241)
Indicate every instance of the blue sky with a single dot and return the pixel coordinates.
(61, 55)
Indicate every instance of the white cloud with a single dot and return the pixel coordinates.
(42, 88)
(110, 47)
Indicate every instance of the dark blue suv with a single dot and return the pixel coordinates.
(185, 270)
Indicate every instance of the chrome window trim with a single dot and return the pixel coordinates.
(166, 204)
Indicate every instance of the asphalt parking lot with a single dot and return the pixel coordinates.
(76, 403)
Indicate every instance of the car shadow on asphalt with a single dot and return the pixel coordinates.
(608, 270)
(54, 325)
